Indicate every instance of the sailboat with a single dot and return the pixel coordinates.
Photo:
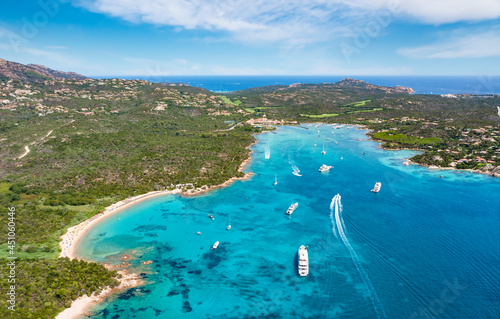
(323, 152)
(275, 180)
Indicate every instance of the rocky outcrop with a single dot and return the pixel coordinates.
(33, 72)
(348, 82)
(490, 170)
(55, 74)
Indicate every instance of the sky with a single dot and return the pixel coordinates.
(254, 37)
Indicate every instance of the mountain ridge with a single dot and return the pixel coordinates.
(10, 70)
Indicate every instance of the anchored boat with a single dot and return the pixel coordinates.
(292, 208)
(215, 245)
(325, 168)
(377, 187)
(303, 261)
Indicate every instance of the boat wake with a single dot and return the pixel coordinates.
(267, 153)
(296, 170)
(337, 220)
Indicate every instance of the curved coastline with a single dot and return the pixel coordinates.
(430, 167)
(128, 280)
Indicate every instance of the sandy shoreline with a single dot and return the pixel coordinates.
(80, 305)
(71, 238)
(75, 233)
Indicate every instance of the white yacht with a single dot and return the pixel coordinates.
(228, 227)
(377, 187)
(325, 168)
(303, 261)
(215, 245)
(292, 208)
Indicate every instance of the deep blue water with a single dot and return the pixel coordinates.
(425, 246)
(421, 84)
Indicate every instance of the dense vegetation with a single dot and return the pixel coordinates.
(43, 288)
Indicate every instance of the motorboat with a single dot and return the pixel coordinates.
(292, 208)
(303, 265)
(377, 187)
(325, 168)
(215, 245)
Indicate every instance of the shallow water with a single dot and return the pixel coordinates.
(424, 246)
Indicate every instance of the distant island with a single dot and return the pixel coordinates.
(73, 146)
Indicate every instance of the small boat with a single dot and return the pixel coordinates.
(292, 208)
(296, 171)
(314, 145)
(275, 180)
(228, 227)
(325, 168)
(198, 233)
(215, 245)
(327, 138)
(323, 152)
(303, 266)
(211, 216)
(377, 187)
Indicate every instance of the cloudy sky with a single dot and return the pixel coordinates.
(254, 37)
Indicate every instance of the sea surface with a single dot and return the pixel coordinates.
(420, 84)
(425, 246)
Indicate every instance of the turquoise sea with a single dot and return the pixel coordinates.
(425, 246)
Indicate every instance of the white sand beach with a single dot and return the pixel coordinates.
(128, 280)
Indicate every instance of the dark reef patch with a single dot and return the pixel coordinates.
(186, 306)
(149, 228)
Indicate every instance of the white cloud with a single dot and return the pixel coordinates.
(293, 21)
(459, 45)
(21, 50)
(450, 11)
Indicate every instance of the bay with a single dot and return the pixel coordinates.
(424, 246)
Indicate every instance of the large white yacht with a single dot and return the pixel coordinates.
(292, 208)
(325, 168)
(303, 261)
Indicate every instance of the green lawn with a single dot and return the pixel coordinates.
(319, 116)
(362, 111)
(226, 100)
(361, 103)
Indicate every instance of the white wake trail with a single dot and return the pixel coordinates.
(336, 207)
(268, 153)
(296, 170)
